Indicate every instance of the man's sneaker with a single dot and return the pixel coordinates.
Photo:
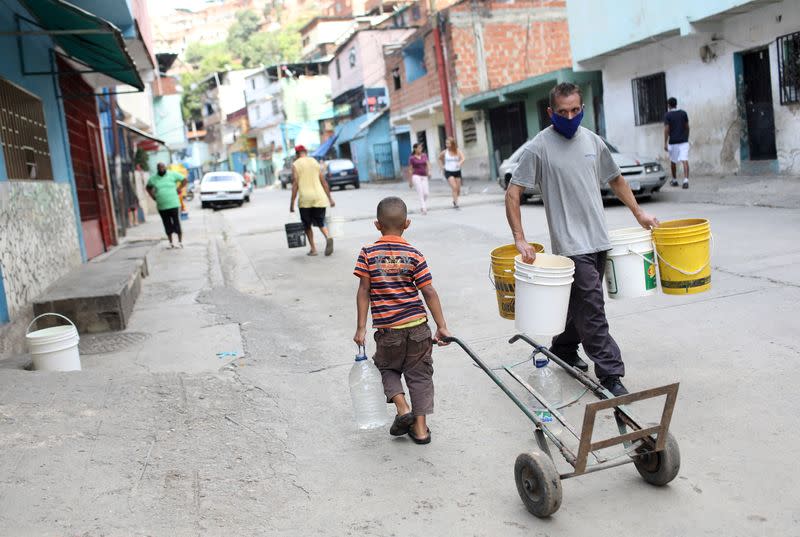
(674, 182)
(614, 385)
(685, 184)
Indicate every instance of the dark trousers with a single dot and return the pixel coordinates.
(586, 319)
(407, 352)
(172, 221)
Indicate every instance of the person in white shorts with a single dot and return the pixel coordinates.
(676, 140)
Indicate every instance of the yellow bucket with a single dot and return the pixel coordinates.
(683, 248)
(502, 276)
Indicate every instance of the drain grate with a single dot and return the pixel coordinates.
(103, 343)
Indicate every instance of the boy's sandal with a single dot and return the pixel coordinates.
(417, 440)
(401, 424)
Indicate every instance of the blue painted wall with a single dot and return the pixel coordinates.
(600, 26)
(3, 304)
(36, 53)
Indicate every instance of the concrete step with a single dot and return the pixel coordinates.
(98, 296)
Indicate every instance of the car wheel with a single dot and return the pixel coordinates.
(247, 199)
(283, 185)
(239, 203)
(204, 205)
(357, 184)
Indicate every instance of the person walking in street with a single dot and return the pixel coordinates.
(392, 274)
(164, 188)
(309, 184)
(420, 174)
(570, 164)
(451, 159)
(676, 140)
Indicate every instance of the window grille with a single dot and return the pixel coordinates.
(23, 134)
(789, 68)
(469, 130)
(649, 98)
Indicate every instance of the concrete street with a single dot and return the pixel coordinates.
(161, 436)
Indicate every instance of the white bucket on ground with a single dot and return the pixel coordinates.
(336, 226)
(56, 348)
(542, 294)
(630, 265)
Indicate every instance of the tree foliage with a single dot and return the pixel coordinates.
(245, 47)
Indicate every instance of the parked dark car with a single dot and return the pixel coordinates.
(342, 172)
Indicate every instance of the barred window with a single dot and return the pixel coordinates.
(649, 98)
(789, 68)
(23, 134)
(469, 131)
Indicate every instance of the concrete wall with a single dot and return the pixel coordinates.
(706, 90)
(39, 242)
(476, 163)
(601, 26)
(41, 238)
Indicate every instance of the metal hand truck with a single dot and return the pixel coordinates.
(652, 449)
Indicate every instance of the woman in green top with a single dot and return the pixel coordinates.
(163, 187)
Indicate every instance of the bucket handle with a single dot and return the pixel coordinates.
(686, 272)
(491, 273)
(28, 330)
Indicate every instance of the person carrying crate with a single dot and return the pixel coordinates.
(570, 164)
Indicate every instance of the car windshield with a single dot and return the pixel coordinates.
(340, 165)
(220, 178)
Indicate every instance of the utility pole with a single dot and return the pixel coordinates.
(441, 70)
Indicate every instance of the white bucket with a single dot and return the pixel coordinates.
(56, 348)
(630, 266)
(336, 226)
(542, 294)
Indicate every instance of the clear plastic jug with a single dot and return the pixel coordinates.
(366, 391)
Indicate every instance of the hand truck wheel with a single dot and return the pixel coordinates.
(538, 483)
(661, 467)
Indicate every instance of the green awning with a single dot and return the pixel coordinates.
(86, 38)
(488, 99)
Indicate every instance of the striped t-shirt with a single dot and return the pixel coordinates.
(396, 272)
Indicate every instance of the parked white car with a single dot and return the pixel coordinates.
(645, 176)
(223, 188)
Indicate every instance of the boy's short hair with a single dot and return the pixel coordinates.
(672, 102)
(392, 213)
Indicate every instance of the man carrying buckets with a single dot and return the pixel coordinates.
(570, 164)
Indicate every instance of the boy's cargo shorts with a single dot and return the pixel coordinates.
(407, 352)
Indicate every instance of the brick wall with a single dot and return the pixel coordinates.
(423, 89)
(521, 39)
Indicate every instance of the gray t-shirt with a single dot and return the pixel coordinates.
(570, 173)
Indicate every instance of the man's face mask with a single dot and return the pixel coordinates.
(566, 127)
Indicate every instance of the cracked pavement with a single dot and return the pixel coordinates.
(165, 437)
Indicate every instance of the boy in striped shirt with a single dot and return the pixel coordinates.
(392, 273)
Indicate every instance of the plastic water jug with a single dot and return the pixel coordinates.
(366, 390)
(545, 381)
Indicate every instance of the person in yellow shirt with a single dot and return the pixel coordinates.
(308, 180)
